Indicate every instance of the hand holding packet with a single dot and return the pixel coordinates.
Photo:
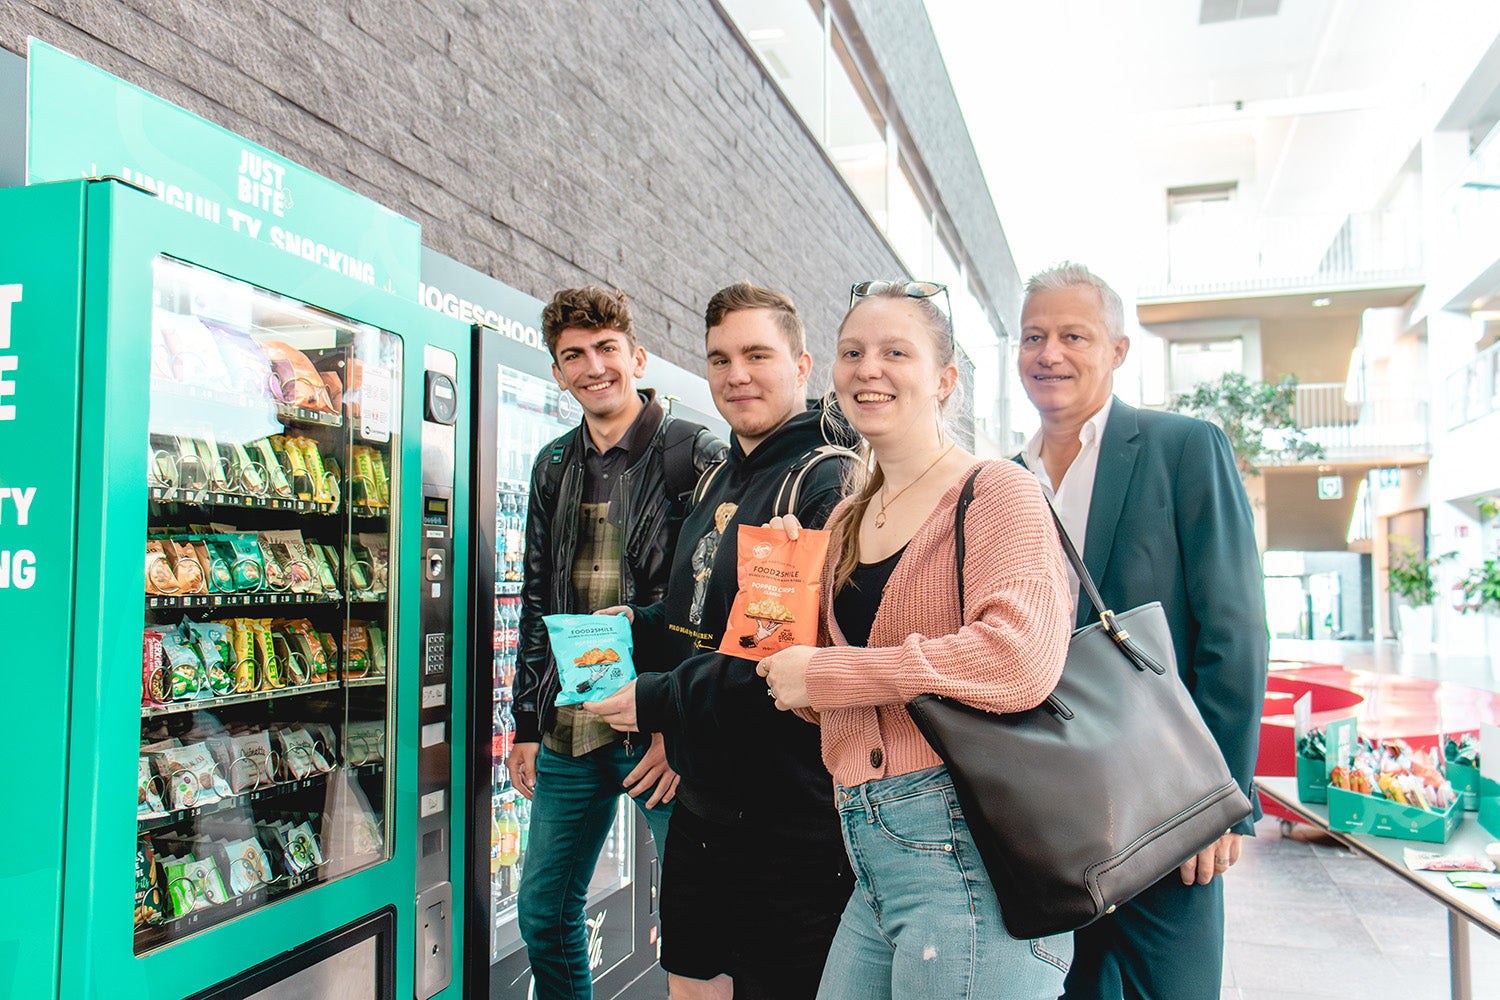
(593, 654)
(780, 584)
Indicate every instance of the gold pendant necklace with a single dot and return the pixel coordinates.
(884, 503)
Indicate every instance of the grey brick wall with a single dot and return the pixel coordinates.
(629, 142)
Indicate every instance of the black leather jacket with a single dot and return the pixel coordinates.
(651, 519)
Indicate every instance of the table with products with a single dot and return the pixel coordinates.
(1465, 906)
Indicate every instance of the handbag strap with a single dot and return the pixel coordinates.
(1107, 618)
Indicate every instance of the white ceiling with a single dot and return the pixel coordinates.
(1084, 111)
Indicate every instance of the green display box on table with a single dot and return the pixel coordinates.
(1489, 806)
(1352, 812)
(1312, 779)
(1465, 782)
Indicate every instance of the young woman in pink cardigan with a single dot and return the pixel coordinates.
(923, 921)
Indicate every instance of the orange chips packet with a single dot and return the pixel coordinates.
(780, 584)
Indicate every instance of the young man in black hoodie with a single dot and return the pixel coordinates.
(755, 876)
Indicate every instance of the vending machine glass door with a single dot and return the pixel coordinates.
(532, 412)
(273, 471)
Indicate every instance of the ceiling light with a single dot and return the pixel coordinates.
(1320, 303)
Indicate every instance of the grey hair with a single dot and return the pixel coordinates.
(1070, 275)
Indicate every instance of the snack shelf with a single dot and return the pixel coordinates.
(249, 403)
(367, 511)
(239, 801)
(155, 936)
(373, 680)
(507, 588)
(223, 701)
(225, 498)
(245, 402)
(262, 600)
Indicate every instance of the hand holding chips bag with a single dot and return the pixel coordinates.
(592, 653)
(780, 583)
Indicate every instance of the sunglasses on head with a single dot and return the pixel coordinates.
(911, 289)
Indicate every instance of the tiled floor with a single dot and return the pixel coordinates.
(1308, 921)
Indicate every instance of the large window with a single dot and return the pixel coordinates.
(855, 136)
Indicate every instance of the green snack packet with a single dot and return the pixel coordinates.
(181, 890)
(212, 642)
(184, 666)
(150, 906)
(323, 571)
(245, 561)
(592, 654)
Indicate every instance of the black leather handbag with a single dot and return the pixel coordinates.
(1091, 797)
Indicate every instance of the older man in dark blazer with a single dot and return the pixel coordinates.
(1154, 502)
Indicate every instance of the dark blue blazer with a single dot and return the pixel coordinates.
(1169, 522)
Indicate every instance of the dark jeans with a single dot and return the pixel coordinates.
(1165, 944)
(571, 814)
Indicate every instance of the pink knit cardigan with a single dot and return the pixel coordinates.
(1007, 656)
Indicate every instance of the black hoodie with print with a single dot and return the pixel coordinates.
(741, 760)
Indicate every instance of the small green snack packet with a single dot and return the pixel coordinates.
(181, 889)
(592, 654)
(150, 904)
(245, 561)
(185, 670)
(322, 572)
(212, 642)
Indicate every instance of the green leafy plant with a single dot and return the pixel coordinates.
(1246, 410)
(1482, 587)
(1411, 577)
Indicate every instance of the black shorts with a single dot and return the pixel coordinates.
(739, 901)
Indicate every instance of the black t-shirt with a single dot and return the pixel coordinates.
(855, 606)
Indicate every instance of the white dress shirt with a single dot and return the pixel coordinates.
(1072, 497)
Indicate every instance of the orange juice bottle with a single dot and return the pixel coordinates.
(509, 835)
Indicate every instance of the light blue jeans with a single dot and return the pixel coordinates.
(923, 923)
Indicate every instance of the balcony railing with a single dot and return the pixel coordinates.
(1230, 257)
(1473, 390)
(1349, 430)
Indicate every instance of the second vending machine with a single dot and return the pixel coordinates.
(518, 408)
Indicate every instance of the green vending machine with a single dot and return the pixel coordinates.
(230, 489)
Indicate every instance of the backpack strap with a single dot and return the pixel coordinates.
(790, 492)
(552, 475)
(704, 482)
(677, 442)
